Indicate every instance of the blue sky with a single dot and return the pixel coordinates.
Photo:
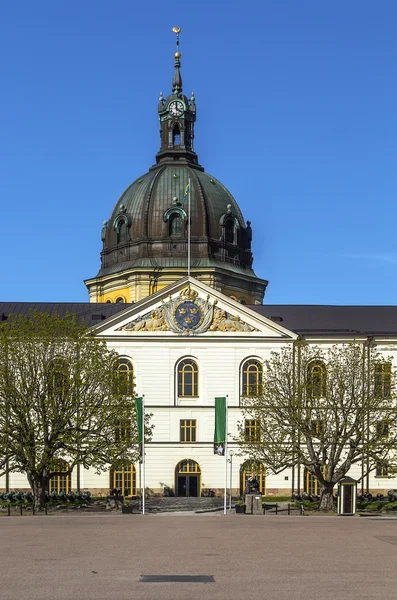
(297, 116)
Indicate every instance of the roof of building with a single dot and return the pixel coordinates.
(86, 312)
(302, 319)
(327, 320)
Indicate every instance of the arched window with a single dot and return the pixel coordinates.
(61, 480)
(120, 300)
(317, 379)
(122, 232)
(187, 378)
(123, 478)
(126, 375)
(108, 302)
(176, 135)
(252, 469)
(311, 483)
(229, 231)
(252, 378)
(176, 225)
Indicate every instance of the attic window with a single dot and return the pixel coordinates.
(98, 317)
(277, 319)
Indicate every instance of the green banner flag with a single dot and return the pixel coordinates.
(139, 418)
(220, 426)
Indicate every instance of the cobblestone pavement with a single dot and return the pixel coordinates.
(277, 558)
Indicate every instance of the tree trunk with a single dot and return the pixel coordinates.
(326, 497)
(39, 484)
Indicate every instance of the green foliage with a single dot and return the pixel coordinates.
(61, 399)
(276, 498)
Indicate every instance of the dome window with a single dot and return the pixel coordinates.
(121, 225)
(122, 232)
(176, 219)
(230, 231)
(176, 225)
(229, 226)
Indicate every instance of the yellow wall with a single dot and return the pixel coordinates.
(112, 296)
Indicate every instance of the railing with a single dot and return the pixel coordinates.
(269, 506)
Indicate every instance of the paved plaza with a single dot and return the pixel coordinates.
(277, 558)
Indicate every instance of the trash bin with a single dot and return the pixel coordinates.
(347, 496)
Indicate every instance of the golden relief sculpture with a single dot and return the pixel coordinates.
(188, 294)
(223, 321)
(153, 321)
(188, 314)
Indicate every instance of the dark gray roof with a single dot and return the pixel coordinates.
(327, 320)
(86, 312)
(302, 319)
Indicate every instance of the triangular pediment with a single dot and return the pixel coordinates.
(190, 308)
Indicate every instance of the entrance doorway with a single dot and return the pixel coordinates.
(188, 479)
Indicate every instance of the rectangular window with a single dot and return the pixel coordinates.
(122, 433)
(187, 430)
(382, 469)
(382, 380)
(252, 431)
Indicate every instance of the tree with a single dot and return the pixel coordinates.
(61, 399)
(325, 410)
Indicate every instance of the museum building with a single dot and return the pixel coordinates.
(177, 298)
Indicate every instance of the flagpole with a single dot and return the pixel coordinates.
(226, 436)
(188, 229)
(143, 455)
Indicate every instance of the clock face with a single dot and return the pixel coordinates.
(176, 108)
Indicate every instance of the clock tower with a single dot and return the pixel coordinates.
(177, 115)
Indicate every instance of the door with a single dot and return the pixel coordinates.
(188, 478)
(187, 485)
(182, 488)
(193, 485)
(347, 499)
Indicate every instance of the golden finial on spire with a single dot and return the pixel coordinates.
(177, 31)
(177, 80)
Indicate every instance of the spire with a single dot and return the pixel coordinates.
(177, 79)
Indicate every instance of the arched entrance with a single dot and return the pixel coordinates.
(252, 468)
(188, 478)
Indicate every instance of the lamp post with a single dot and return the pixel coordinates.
(231, 454)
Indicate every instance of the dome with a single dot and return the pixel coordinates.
(141, 232)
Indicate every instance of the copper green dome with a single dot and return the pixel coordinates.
(148, 226)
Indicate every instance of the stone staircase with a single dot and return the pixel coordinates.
(93, 508)
(178, 504)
